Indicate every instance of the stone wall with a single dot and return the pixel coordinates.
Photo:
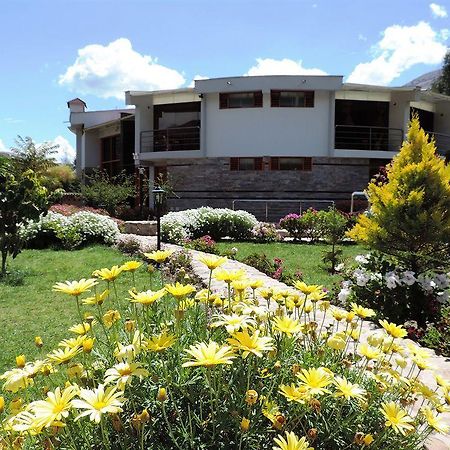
(210, 182)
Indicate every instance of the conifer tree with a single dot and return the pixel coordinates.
(442, 84)
(410, 214)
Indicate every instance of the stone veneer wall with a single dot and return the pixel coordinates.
(210, 182)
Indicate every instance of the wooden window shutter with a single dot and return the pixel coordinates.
(223, 101)
(307, 164)
(274, 164)
(234, 163)
(258, 99)
(309, 99)
(259, 164)
(274, 99)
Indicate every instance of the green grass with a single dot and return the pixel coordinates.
(306, 258)
(33, 309)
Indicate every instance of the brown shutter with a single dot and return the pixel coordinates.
(275, 99)
(274, 164)
(259, 164)
(223, 101)
(258, 99)
(307, 164)
(309, 99)
(234, 163)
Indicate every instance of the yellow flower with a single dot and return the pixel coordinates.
(251, 397)
(108, 274)
(80, 328)
(368, 439)
(251, 344)
(75, 288)
(369, 352)
(160, 342)
(73, 342)
(63, 355)
(161, 396)
(239, 286)
(16, 379)
(245, 424)
(146, 298)
(228, 276)
(98, 299)
(416, 350)
(396, 331)
(292, 442)
(266, 293)
(88, 344)
(159, 256)
(54, 408)
(303, 287)
(348, 390)
(421, 363)
(131, 266)
(255, 283)
(435, 421)
(315, 380)
(396, 417)
(179, 290)
(211, 261)
(99, 401)
(338, 314)
(122, 373)
(294, 393)
(20, 361)
(22, 422)
(76, 371)
(362, 312)
(111, 317)
(209, 355)
(337, 341)
(38, 342)
(287, 325)
(2, 404)
(233, 322)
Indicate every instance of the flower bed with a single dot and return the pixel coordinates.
(173, 367)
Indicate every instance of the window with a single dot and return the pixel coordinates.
(289, 163)
(246, 164)
(241, 100)
(292, 99)
(110, 148)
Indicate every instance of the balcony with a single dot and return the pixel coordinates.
(356, 137)
(442, 142)
(171, 139)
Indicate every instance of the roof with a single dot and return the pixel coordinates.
(78, 100)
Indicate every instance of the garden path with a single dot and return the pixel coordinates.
(440, 364)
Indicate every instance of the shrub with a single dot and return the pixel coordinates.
(306, 226)
(174, 369)
(265, 232)
(392, 290)
(203, 244)
(214, 222)
(59, 176)
(81, 228)
(103, 191)
(293, 225)
(129, 245)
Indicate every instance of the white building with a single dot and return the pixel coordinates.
(264, 137)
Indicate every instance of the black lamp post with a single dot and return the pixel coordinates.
(158, 196)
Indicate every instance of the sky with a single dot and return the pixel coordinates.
(54, 50)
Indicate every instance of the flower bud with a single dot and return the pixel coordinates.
(130, 325)
(251, 397)
(312, 434)
(38, 342)
(2, 404)
(87, 345)
(245, 424)
(162, 395)
(20, 361)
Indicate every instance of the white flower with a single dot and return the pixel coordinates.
(442, 297)
(344, 294)
(361, 259)
(442, 281)
(362, 277)
(392, 280)
(408, 278)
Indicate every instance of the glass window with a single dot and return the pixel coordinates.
(291, 163)
(241, 100)
(247, 164)
(292, 99)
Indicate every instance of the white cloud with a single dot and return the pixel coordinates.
(268, 66)
(361, 37)
(65, 153)
(108, 71)
(197, 77)
(400, 48)
(444, 33)
(3, 148)
(438, 10)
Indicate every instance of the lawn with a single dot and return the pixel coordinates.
(33, 309)
(306, 258)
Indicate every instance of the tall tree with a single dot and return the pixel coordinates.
(442, 84)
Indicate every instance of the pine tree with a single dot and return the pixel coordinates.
(410, 214)
(442, 84)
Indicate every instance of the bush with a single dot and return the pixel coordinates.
(203, 244)
(265, 232)
(294, 226)
(59, 176)
(215, 222)
(173, 368)
(129, 245)
(103, 191)
(70, 232)
(393, 291)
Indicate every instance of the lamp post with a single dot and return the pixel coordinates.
(158, 196)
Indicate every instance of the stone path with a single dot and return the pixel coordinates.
(440, 364)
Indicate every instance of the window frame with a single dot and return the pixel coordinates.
(275, 96)
(305, 167)
(224, 100)
(235, 164)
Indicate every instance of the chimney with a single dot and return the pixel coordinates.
(76, 105)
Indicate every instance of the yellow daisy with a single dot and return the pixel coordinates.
(396, 418)
(242, 340)
(159, 256)
(131, 266)
(75, 288)
(179, 290)
(292, 442)
(160, 342)
(146, 298)
(209, 354)
(108, 274)
(98, 299)
(122, 373)
(211, 261)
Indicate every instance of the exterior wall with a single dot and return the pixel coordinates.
(267, 131)
(442, 118)
(209, 182)
(91, 149)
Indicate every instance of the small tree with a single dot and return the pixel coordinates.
(410, 214)
(442, 84)
(22, 198)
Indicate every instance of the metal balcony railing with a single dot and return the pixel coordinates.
(355, 137)
(442, 142)
(171, 139)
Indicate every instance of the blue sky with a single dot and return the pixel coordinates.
(55, 50)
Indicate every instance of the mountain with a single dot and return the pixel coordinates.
(426, 80)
